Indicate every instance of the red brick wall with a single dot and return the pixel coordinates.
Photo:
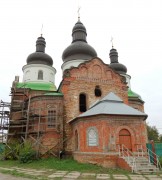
(105, 160)
(121, 163)
(136, 104)
(108, 127)
(84, 80)
(50, 137)
(38, 121)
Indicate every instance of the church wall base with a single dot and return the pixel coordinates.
(107, 160)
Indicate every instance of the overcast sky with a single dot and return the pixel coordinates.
(135, 25)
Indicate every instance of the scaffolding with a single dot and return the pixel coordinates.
(29, 122)
(4, 120)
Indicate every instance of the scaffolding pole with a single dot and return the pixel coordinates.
(31, 122)
(4, 120)
(27, 123)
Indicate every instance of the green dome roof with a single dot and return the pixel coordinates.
(133, 94)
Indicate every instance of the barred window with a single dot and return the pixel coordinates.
(51, 118)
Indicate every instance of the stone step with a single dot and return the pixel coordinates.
(147, 170)
(137, 160)
(146, 167)
(145, 164)
(142, 165)
(139, 157)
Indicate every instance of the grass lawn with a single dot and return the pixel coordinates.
(51, 165)
(64, 164)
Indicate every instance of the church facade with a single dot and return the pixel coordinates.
(91, 115)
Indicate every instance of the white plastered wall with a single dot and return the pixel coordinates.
(30, 73)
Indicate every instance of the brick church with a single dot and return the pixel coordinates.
(89, 116)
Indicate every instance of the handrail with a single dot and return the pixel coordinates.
(140, 150)
(153, 158)
(131, 158)
(126, 153)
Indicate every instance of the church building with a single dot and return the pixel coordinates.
(90, 116)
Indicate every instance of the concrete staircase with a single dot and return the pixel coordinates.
(140, 164)
(140, 161)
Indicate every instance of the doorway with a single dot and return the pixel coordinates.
(125, 138)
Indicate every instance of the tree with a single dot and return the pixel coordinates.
(160, 138)
(153, 133)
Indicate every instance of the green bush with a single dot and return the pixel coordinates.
(160, 160)
(16, 151)
(11, 151)
(26, 153)
(2, 147)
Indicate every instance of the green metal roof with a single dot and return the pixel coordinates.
(54, 94)
(37, 86)
(133, 94)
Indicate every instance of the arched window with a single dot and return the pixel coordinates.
(27, 74)
(92, 137)
(40, 75)
(51, 77)
(52, 118)
(97, 91)
(76, 140)
(82, 103)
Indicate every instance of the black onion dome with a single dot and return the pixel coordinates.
(40, 57)
(79, 48)
(78, 30)
(114, 64)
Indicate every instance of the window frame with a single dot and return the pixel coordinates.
(89, 141)
(97, 91)
(52, 119)
(40, 75)
(83, 104)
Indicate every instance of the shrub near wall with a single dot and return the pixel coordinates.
(16, 151)
(2, 147)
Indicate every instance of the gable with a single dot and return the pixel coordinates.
(85, 79)
(94, 70)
